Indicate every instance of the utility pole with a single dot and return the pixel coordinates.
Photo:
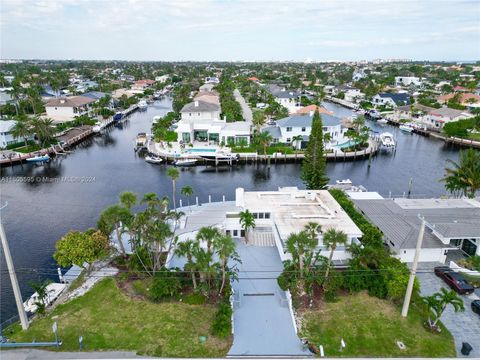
(413, 271)
(13, 277)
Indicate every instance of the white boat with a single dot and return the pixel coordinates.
(382, 121)
(53, 291)
(218, 156)
(155, 119)
(185, 162)
(406, 127)
(38, 159)
(387, 140)
(141, 140)
(142, 104)
(373, 114)
(344, 182)
(153, 159)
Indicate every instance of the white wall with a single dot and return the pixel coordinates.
(426, 255)
(336, 133)
(202, 115)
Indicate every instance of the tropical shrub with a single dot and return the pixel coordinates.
(166, 284)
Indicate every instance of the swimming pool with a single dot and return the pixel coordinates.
(347, 144)
(196, 150)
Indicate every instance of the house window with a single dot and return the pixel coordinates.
(289, 129)
(198, 114)
(267, 215)
(255, 215)
(260, 215)
(303, 129)
(235, 233)
(288, 140)
(189, 114)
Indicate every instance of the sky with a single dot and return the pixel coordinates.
(236, 30)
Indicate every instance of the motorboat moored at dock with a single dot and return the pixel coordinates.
(53, 291)
(141, 141)
(387, 141)
(406, 128)
(185, 162)
(38, 159)
(142, 104)
(153, 159)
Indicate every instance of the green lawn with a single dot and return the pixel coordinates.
(370, 327)
(110, 320)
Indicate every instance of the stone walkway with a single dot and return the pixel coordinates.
(464, 326)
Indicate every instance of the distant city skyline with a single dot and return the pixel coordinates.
(229, 30)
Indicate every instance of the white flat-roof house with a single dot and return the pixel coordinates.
(68, 108)
(287, 98)
(407, 81)
(278, 214)
(200, 121)
(451, 225)
(391, 99)
(288, 128)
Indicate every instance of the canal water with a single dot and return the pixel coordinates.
(90, 178)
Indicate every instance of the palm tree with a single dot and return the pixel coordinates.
(313, 229)
(128, 199)
(44, 129)
(208, 234)
(16, 95)
(187, 249)
(247, 221)
(264, 139)
(438, 302)
(297, 139)
(111, 219)
(188, 192)
(225, 249)
(332, 238)
(41, 290)
(22, 129)
(464, 176)
(300, 245)
(258, 119)
(173, 174)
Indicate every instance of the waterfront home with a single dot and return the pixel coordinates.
(391, 99)
(211, 97)
(97, 95)
(411, 112)
(85, 85)
(287, 98)
(358, 75)
(278, 214)
(118, 93)
(200, 110)
(287, 129)
(6, 138)
(437, 118)
(352, 95)
(469, 100)
(200, 122)
(68, 108)
(407, 81)
(143, 84)
(452, 226)
(310, 109)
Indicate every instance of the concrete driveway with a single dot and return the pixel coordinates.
(262, 322)
(464, 326)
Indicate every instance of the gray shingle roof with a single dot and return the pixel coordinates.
(401, 225)
(447, 112)
(200, 106)
(306, 121)
(274, 131)
(398, 98)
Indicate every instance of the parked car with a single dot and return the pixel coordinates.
(454, 280)
(476, 306)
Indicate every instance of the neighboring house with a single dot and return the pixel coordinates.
(141, 85)
(85, 85)
(287, 98)
(358, 75)
(391, 99)
(6, 138)
(5, 97)
(212, 80)
(200, 121)
(211, 97)
(117, 94)
(437, 118)
(353, 95)
(162, 79)
(129, 78)
(68, 108)
(451, 224)
(288, 128)
(97, 95)
(48, 93)
(254, 79)
(466, 99)
(279, 214)
(407, 81)
(310, 109)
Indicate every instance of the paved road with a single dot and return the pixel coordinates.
(262, 321)
(464, 326)
(246, 111)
